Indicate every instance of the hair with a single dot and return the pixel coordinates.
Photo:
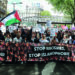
(7, 34)
(18, 35)
(44, 36)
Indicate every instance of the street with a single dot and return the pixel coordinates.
(50, 68)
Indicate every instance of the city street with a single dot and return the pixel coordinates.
(50, 68)
(37, 37)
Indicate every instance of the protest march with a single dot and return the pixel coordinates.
(35, 43)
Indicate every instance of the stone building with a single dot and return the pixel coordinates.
(3, 8)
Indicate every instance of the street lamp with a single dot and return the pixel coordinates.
(15, 4)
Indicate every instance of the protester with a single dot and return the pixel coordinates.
(14, 34)
(17, 39)
(74, 42)
(8, 38)
(65, 39)
(59, 36)
(33, 38)
(48, 35)
(37, 38)
(73, 36)
(25, 40)
(28, 35)
(43, 39)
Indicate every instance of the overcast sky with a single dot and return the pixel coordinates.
(43, 4)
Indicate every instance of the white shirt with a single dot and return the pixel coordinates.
(44, 41)
(17, 40)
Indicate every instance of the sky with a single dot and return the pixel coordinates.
(43, 4)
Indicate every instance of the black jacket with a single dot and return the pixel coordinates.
(36, 40)
(2, 37)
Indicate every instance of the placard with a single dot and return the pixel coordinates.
(52, 32)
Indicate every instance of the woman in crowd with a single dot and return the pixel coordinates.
(65, 39)
(43, 39)
(17, 39)
(8, 38)
(26, 35)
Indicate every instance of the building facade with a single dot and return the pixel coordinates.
(30, 14)
(3, 8)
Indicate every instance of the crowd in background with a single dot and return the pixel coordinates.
(27, 35)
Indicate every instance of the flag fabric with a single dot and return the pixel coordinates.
(11, 19)
(1, 24)
(64, 27)
(73, 28)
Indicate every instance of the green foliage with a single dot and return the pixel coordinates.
(45, 13)
(65, 6)
(7, 13)
(69, 26)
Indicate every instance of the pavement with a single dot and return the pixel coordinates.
(50, 68)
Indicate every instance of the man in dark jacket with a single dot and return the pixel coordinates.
(73, 36)
(1, 36)
(59, 36)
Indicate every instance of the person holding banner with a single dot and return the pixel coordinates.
(8, 38)
(17, 39)
(43, 39)
(25, 40)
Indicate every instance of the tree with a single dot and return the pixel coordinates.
(45, 13)
(7, 12)
(65, 6)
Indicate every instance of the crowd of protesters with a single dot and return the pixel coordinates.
(27, 35)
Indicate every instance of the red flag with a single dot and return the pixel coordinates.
(1, 24)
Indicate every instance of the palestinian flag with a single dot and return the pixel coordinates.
(10, 19)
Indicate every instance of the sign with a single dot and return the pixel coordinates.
(56, 30)
(42, 29)
(3, 29)
(10, 29)
(15, 27)
(48, 23)
(52, 31)
(28, 52)
(48, 54)
(47, 51)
